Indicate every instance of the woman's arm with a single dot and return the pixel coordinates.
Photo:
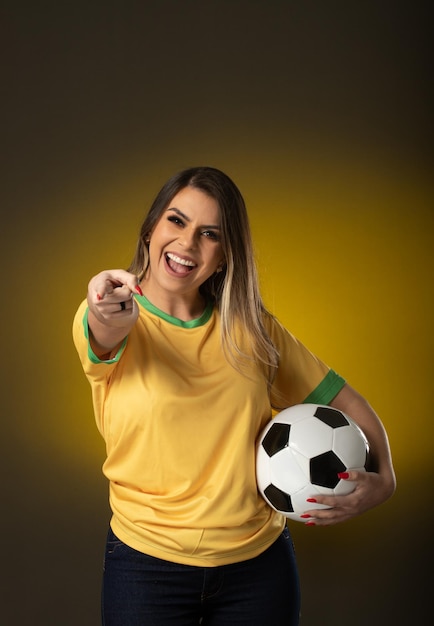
(112, 310)
(372, 487)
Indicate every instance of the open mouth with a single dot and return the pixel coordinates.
(178, 264)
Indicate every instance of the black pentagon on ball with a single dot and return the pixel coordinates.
(331, 417)
(279, 499)
(276, 439)
(324, 469)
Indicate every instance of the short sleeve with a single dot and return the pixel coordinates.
(93, 367)
(301, 376)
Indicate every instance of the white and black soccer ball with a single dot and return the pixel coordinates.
(300, 453)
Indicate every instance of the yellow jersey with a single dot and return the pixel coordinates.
(180, 426)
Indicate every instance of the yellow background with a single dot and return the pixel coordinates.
(320, 112)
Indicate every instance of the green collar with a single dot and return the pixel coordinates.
(199, 321)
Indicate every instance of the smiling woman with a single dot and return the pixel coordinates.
(184, 252)
(233, 286)
(186, 366)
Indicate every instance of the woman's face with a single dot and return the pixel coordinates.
(185, 244)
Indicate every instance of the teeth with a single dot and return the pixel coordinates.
(177, 259)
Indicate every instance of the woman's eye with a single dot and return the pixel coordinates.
(211, 234)
(175, 220)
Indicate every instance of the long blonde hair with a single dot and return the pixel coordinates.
(235, 290)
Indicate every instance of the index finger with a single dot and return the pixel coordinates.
(104, 283)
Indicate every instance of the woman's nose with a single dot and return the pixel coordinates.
(188, 239)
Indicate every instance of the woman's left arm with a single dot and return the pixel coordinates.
(372, 487)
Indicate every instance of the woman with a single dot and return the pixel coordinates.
(186, 365)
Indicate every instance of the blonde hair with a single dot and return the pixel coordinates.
(235, 290)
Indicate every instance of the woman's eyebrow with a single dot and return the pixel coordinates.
(180, 213)
(187, 219)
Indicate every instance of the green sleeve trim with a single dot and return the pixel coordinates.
(91, 354)
(328, 388)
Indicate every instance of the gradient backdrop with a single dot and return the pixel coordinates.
(320, 110)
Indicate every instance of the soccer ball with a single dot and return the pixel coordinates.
(300, 453)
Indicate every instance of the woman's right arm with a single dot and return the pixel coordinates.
(112, 310)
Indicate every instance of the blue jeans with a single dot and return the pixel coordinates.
(140, 590)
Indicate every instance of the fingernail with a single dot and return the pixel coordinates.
(310, 524)
(305, 515)
(98, 297)
(139, 291)
(311, 500)
(343, 475)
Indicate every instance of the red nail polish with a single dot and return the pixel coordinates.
(311, 500)
(139, 291)
(310, 524)
(98, 297)
(305, 516)
(343, 475)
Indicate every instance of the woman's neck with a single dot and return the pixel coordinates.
(184, 307)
